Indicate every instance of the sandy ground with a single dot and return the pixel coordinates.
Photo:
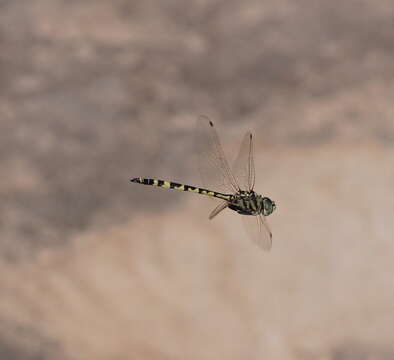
(93, 93)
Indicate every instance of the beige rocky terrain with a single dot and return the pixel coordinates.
(94, 267)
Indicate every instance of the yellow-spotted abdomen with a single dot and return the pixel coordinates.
(176, 186)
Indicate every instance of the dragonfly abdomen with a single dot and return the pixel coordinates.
(176, 186)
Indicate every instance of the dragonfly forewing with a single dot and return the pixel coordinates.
(243, 167)
(214, 169)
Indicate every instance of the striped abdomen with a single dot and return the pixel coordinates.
(176, 186)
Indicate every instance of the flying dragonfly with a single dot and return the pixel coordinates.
(233, 186)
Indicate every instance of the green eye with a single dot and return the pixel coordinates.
(269, 206)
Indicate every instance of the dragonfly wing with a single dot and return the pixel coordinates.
(243, 167)
(214, 169)
(218, 209)
(258, 230)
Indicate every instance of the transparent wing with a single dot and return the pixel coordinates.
(243, 167)
(218, 209)
(214, 169)
(258, 230)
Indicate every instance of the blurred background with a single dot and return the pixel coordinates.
(93, 93)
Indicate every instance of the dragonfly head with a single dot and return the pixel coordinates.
(268, 206)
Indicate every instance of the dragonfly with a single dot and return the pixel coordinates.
(232, 186)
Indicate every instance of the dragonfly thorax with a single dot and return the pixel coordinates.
(250, 203)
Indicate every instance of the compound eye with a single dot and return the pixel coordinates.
(269, 206)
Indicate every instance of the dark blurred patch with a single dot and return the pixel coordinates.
(10, 352)
(18, 342)
(355, 351)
